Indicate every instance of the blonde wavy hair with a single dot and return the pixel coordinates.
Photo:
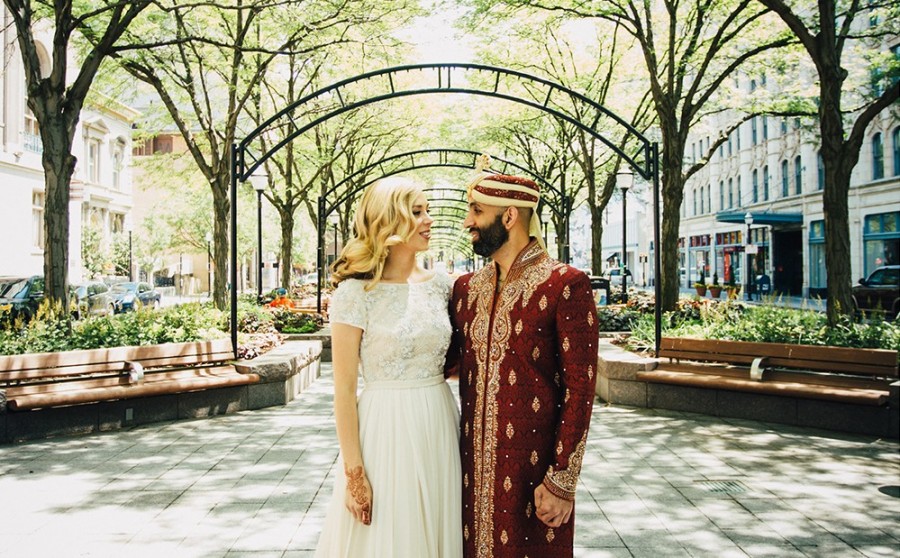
(383, 219)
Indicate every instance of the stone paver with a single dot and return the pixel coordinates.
(256, 484)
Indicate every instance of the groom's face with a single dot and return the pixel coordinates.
(485, 225)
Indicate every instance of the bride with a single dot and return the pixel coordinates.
(399, 440)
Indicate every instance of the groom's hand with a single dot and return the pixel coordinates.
(359, 495)
(551, 509)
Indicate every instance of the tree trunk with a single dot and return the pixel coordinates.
(838, 160)
(221, 224)
(596, 240)
(672, 196)
(59, 165)
(287, 245)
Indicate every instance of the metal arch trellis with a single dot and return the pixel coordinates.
(476, 79)
(413, 160)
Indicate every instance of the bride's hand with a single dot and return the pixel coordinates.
(359, 495)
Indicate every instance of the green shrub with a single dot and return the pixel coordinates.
(296, 322)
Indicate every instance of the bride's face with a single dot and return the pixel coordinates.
(420, 240)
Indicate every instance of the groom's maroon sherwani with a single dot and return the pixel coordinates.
(527, 359)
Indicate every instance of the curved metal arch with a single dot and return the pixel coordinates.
(444, 158)
(384, 79)
(648, 167)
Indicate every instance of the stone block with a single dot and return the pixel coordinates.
(844, 417)
(47, 423)
(270, 394)
(682, 398)
(602, 388)
(623, 392)
(755, 406)
(144, 410)
(211, 402)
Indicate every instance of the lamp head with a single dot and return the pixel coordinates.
(624, 179)
(209, 237)
(748, 218)
(259, 181)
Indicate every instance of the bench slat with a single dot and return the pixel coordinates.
(117, 380)
(780, 375)
(787, 389)
(146, 389)
(99, 361)
(872, 357)
(820, 365)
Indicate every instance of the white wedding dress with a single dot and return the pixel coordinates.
(408, 423)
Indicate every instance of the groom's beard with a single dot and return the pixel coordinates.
(490, 239)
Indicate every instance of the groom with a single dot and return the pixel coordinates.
(525, 348)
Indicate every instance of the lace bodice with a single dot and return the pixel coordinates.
(406, 327)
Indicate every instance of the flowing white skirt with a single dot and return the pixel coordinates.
(409, 432)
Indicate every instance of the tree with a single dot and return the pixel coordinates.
(827, 34)
(212, 72)
(56, 102)
(689, 50)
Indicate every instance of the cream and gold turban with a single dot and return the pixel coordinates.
(505, 190)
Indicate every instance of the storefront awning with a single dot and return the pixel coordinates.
(760, 218)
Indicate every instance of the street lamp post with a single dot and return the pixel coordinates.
(209, 238)
(748, 219)
(624, 179)
(130, 258)
(259, 183)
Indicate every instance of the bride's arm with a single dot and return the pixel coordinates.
(345, 342)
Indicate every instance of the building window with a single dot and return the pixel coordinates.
(93, 167)
(783, 126)
(818, 278)
(721, 196)
(784, 179)
(739, 197)
(877, 157)
(31, 134)
(37, 220)
(695, 202)
(765, 127)
(730, 147)
(896, 141)
(730, 193)
(117, 157)
(820, 167)
(766, 183)
(709, 198)
(881, 240)
(116, 223)
(753, 138)
(798, 176)
(755, 186)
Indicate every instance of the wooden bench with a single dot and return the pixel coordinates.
(858, 376)
(44, 380)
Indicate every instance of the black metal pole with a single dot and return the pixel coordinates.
(232, 273)
(657, 259)
(209, 267)
(259, 255)
(624, 245)
(130, 259)
(747, 264)
(320, 253)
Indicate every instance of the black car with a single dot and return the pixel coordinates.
(879, 292)
(93, 299)
(21, 296)
(132, 296)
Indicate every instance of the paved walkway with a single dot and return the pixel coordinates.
(256, 484)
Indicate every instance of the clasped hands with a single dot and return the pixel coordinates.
(551, 509)
(358, 499)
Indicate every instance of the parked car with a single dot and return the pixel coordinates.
(614, 276)
(131, 296)
(21, 296)
(93, 299)
(880, 291)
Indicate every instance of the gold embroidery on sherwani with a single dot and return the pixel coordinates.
(536, 404)
(559, 448)
(566, 345)
(550, 535)
(507, 484)
(528, 510)
(590, 370)
(568, 395)
(490, 341)
(534, 457)
(536, 353)
(466, 480)
(563, 483)
(512, 377)
(543, 303)
(519, 327)
(510, 431)
(466, 532)
(590, 319)
(504, 538)
(566, 292)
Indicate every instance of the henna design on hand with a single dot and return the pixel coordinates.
(356, 486)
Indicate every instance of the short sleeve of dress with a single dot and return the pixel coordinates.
(348, 304)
